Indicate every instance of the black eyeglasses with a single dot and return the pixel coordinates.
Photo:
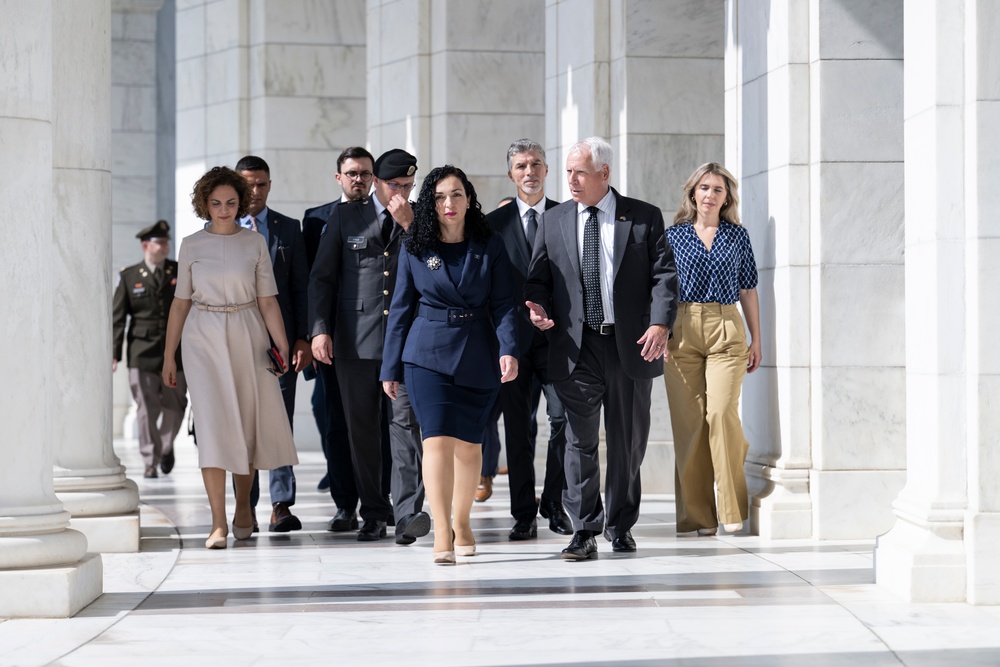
(358, 176)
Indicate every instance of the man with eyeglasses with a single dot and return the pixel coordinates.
(350, 289)
(354, 175)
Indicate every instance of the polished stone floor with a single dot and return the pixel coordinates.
(314, 597)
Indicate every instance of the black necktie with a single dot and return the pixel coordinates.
(532, 228)
(387, 223)
(592, 306)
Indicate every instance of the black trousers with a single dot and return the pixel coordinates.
(336, 443)
(365, 410)
(598, 381)
(517, 403)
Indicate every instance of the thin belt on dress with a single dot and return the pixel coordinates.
(225, 309)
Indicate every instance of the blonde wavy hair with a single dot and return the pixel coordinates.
(729, 211)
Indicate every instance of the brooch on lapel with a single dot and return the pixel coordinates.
(433, 262)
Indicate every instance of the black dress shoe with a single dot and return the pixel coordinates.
(558, 521)
(409, 528)
(623, 543)
(523, 530)
(167, 462)
(343, 521)
(372, 530)
(583, 547)
(324, 484)
(282, 519)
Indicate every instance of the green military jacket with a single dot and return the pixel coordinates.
(145, 301)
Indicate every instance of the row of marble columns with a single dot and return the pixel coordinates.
(878, 364)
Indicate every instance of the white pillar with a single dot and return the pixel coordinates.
(922, 558)
(133, 141)
(89, 479)
(767, 148)
(44, 568)
(982, 173)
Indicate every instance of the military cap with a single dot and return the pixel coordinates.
(161, 230)
(395, 163)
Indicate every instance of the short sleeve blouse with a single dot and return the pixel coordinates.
(713, 276)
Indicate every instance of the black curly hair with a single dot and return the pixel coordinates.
(425, 231)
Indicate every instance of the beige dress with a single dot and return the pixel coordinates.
(239, 417)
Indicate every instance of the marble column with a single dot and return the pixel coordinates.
(89, 479)
(945, 543)
(134, 170)
(816, 105)
(982, 200)
(44, 567)
(767, 149)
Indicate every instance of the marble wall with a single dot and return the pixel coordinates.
(814, 103)
(285, 81)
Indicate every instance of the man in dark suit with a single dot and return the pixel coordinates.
(603, 284)
(291, 273)
(354, 175)
(350, 289)
(144, 294)
(516, 224)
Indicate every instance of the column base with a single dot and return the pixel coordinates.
(922, 558)
(853, 504)
(51, 592)
(782, 508)
(982, 546)
(109, 534)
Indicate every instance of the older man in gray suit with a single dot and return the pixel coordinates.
(603, 284)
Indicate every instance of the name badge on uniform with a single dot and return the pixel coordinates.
(357, 242)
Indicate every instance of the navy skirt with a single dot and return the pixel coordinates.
(444, 408)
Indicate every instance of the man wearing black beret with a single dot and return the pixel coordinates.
(350, 289)
(144, 294)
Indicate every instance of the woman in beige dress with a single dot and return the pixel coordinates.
(224, 271)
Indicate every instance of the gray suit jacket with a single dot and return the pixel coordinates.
(352, 280)
(644, 284)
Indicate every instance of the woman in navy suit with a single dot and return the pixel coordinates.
(452, 336)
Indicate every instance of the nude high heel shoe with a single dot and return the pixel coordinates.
(446, 557)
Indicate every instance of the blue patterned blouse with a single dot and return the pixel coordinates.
(716, 276)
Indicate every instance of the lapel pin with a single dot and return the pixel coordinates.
(433, 262)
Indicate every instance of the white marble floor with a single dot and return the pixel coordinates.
(314, 597)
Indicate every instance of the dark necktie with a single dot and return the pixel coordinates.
(592, 306)
(532, 228)
(387, 223)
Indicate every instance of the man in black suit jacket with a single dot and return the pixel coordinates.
(354, 175)
(350, 289)
(291, 273)
(516, 224)
(603, 284)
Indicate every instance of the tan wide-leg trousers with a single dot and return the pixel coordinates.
(704, 375)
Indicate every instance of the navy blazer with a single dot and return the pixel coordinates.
(506, 223)
(469, 351)
(291, 273)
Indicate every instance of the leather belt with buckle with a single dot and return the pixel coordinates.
(603, 330)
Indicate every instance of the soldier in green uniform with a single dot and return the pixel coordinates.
(144, 294)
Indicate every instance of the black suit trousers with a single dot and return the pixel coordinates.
(336, 443)
(517, 404)
(361, 391)
(597, 381)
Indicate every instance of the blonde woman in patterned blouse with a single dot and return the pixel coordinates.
(709, 352)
